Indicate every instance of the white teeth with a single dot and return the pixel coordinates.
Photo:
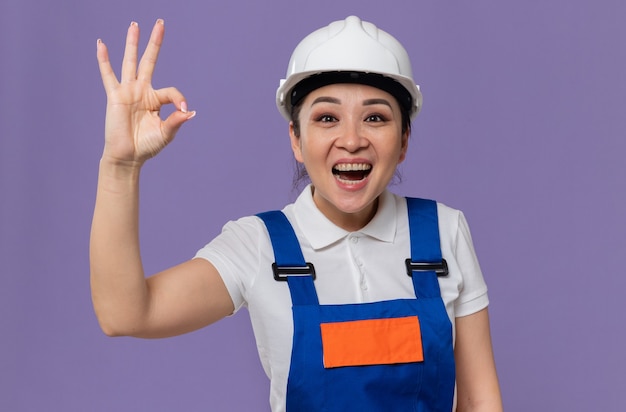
(359, 172)
(347, 182)
(351, 167)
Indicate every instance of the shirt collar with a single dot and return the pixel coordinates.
(321, 232)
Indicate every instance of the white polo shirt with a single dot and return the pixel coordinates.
(351, 267)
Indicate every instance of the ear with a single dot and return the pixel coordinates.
(405, 146)
(295, 144)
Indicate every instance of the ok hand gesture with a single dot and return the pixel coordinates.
(134, 130)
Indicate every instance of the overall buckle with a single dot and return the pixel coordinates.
(281, 273)
(440, 269)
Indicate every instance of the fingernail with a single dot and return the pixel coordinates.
(191, 115)
(183, 107)
(160, 21)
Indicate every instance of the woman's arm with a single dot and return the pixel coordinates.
(177, 300)
(477, 381)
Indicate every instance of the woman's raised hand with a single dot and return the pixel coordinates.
(134, 130)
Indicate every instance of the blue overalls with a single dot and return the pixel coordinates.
(394, 355)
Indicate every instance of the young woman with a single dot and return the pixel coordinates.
(359, 299)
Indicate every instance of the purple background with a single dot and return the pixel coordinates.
(523, 128)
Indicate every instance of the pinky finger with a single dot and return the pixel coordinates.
(106, 71)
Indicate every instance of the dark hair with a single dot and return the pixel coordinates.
(379, 81)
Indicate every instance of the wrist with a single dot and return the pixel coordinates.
(113, 170)
(121, 164)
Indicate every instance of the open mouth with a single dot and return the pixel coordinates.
(351, 173)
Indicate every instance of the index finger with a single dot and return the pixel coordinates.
(151, 54)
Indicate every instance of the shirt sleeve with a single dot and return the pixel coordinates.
(235, 255)
(473, 294)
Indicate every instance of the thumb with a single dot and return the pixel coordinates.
(175, 120)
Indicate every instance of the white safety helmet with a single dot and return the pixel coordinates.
(349, 51)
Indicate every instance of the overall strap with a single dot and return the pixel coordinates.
(289, 262)
(426, 262)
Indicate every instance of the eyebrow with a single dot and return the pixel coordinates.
(368, 102)
(326, 99)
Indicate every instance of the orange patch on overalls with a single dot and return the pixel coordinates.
(372, 342)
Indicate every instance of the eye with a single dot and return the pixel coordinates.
(326, 118)
(375, 118)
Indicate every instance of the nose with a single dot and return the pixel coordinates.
(351, 137)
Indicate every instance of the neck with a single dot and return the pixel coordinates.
(350, 222)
